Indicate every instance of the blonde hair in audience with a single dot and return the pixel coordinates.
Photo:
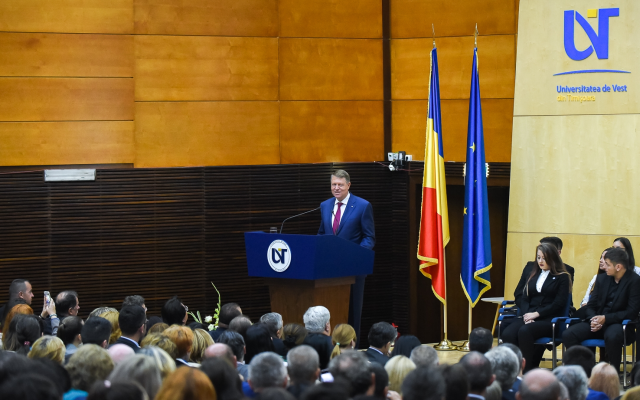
(187, 383)
(182, 336)
(341, 337)
(91, 363)
(398, 368)
(163, 342)
(50, 347)
(100, 310)
(112, 317)
(162, 359)
(157, 328)
(604, 378)
(201, 340)
(141, 369)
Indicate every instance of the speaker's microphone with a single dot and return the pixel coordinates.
(306, 212)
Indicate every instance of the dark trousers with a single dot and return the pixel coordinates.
(355, 305)
(612, 335)
(523, 335)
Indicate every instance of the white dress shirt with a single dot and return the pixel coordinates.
(335, 208)
(541, 279)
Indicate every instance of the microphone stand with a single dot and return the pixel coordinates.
(306, 212)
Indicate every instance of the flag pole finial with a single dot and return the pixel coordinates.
(475, 39)
(434, 36)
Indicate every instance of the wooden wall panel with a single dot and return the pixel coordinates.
(67, 16)
(410, 63)
(330, 69)
(207, 133)
(316, 131)
(410, 124)
(71, 55)
(335, 19)
(50, 143)
(205, 17)
(413, 18)
(65, 99)
(174, 68)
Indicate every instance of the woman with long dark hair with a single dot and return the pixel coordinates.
(625, 244)
(258, 340)
(544, 297)
(601, 270)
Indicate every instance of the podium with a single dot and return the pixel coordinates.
(307, 270)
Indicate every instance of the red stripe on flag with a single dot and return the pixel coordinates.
(431, 246)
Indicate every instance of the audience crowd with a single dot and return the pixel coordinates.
(126, 354)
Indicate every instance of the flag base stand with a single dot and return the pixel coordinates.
(445, 345)
(464, 346)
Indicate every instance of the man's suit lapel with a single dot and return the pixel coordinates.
(603, 294)
(622, 286)
(351, 205)
(327, 217)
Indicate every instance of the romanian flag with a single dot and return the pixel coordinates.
(434, 219)
(476, 239)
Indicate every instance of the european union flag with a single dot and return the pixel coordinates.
(476, 241)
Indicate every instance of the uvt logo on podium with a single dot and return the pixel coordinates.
(279, 255)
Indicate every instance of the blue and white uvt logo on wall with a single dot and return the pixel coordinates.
(599, 41)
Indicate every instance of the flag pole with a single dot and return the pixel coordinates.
(445, 344)
(465, 345)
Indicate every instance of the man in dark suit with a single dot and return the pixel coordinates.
(615, 297)
(132, 321)
(273, 322)
(227, 313)
(317, 322)
(351, 218)
(382, 335)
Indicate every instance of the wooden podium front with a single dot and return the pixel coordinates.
(292, 297)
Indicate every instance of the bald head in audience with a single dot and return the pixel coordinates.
(221, 350)
(120, 352)
(539, 384)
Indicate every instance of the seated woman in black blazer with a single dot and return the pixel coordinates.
(545, 296)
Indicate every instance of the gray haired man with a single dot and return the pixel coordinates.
(273, 322)
(317, 322)
(267, 370)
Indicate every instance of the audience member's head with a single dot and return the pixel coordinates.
(555, 241)
(404, 346)
(187, 384)
(140, 369)
(604, 378)
(352, 367)
(480, 339)
(29, 386)
(107, 390)
(398, 367)
(163, 342)
(257, 340)
(343, 338)
(120, 352)
(134, 300)
(580, 356)
(223, 351)
(293, 335)
(424, 384)
(316, 320)
(326, 391)
(493, 392)
(539, 384)
(624, 243)
(381, 389)
(67, 304)
(157, 328)
(267, 370)
(153, 320)
(12, 312)
(23, 332)
(303, 364)
(240, 324)
(617, 256)
(96, 331)
(161, 358)
(201, 340)
(381, 336)
(479, 371)
(99, 311)
(276, 394)
(174, 312)
(574, 379)
(564, 392)
(273, 322)
(504, 364)
(182, 336)
(227, 313)
(70, 329)
(456, 380)
(224, 377)
(50, 347)
(132, 322)
(89, 364)
(424, 356)
(52, 370)
(516, 350)
(114, 320)
(21, 289)
(235, 341)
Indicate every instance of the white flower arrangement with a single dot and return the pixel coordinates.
(208, 319)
